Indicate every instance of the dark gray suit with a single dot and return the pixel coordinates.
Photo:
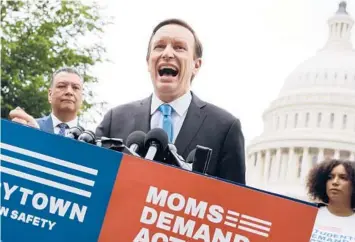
(205, 124)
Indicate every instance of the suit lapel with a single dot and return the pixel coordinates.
(48, 125)
(142, 115)
(192, 123)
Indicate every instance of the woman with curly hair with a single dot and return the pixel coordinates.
(333, 184)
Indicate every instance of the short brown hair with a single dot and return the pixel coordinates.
(319, 175)
(198, 44)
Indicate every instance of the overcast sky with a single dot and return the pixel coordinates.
(250, 47)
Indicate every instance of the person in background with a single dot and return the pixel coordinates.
(65, 96)
(333, 184)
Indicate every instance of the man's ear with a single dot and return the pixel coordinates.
(148, 67)
(197, 66)
(50, 95)
(148, 64)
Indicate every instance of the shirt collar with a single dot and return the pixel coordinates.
(179, 105)
(71, 123)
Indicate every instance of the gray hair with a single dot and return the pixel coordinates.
(67, 70)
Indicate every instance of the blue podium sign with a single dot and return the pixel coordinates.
(53, 188)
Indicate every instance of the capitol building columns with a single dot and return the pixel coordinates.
(276, 168)
(267, 165)
(336, 154)
(306, 163)
(320, 155)
(289, 165)
(352, 156)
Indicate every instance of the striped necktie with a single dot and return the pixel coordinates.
(62, 128)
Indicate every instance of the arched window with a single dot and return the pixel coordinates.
(296, 120)
(307, 120)
(331, 123)
(319, 119)
(277, 122)
(345, 117)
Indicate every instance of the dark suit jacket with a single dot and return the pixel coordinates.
(205, 124)
(46, 124)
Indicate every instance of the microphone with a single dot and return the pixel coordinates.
(115, 144)
(111, 143)
(155, 142)
(135, 142)
(75, 132)
(87, 136)
(200, 158)
(179, 160)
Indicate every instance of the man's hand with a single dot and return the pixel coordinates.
(20, 116)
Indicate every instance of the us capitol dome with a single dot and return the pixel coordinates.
(312, 119)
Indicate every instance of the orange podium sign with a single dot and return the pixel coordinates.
(155, 202)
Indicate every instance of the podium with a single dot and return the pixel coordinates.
(58, 189)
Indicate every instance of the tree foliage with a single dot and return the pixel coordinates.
(39, 37)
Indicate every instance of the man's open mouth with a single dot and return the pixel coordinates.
(168, 71)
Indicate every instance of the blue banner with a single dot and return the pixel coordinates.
(53, 188)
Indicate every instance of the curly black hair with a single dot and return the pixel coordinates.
(318, 177)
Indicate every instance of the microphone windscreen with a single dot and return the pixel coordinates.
(87, 136)
(156, 135)
(136, 137)
(75, 132)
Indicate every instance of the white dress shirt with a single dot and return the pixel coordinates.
(56, 121)
(180, 107)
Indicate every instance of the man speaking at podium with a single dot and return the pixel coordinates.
(174, 58)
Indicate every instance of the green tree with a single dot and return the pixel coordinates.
(39, 37)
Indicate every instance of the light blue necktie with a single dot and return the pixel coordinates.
(166, 110)
(62, 128)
